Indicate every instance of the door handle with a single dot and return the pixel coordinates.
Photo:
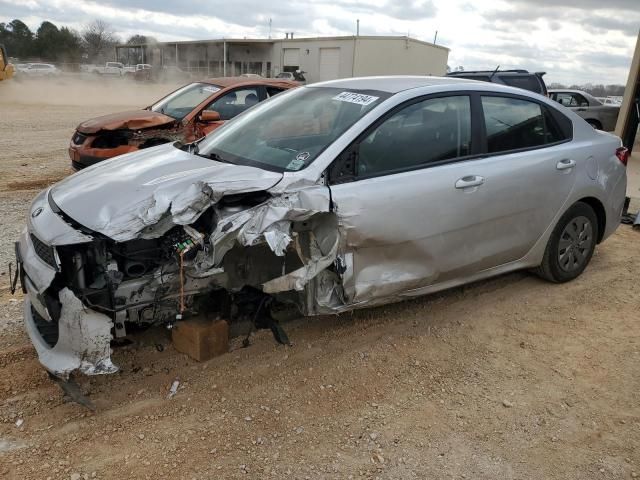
(582, 109)
(565, 164)
(469, 181)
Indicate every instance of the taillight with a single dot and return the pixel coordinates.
(623, 155)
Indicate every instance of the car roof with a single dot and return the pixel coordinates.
(397, 83)
(235, 81)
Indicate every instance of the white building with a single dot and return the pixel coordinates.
(322, 58)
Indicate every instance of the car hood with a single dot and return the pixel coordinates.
(143, 194)
(132, 120)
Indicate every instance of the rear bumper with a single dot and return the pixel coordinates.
(615, 206)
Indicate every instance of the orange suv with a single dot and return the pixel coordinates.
(186, 114)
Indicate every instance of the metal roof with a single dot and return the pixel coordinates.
(284, 40)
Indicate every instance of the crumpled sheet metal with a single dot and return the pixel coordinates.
(297, 279)
(270, 221)
(155, 215)
(84, 340)
(130, 120)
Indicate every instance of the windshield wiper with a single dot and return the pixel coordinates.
(218, 158)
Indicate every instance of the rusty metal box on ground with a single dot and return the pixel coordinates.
(201, 339)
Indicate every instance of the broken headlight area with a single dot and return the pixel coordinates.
(112, 139)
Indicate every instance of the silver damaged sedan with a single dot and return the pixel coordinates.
(326, 198)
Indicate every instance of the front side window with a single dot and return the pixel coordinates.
(429, 131)
(182, 102)
(235, 102)
(289, 131)
(513, 124)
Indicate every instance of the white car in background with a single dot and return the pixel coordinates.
(115, 69)
(41, 70)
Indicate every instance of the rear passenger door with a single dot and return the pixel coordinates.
(530, 167)
(438, 198)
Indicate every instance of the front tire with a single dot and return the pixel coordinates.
(571, 245)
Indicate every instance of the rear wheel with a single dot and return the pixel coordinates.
(571, 245)
(595, 124)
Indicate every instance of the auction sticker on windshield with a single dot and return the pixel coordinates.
(357, 98)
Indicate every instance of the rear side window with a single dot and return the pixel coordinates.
(527, 82)
(513, 124)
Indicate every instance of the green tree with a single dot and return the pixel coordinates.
(70, 46)
(46, 44)
(17, 38)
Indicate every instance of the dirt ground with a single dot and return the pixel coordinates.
(511, 378)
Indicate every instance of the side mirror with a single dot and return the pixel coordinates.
(209, 116)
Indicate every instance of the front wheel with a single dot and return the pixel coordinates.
(571, 245)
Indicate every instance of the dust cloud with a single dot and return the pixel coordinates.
(78, 92)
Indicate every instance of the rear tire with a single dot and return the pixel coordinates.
(571, 245)
(595, 124)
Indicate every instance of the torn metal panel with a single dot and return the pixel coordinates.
(323, 249)
(270, 221)
(84, 339)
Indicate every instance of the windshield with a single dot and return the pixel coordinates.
(182, 102)
(289, 131)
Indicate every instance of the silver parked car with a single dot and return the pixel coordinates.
(329, 197)
(600, 116)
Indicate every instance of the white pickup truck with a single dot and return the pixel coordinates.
(110, 68)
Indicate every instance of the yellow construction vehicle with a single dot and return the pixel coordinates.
(6, 69)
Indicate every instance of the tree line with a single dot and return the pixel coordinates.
(95, 43)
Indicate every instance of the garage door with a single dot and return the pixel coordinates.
(329, 63)
(291, 58)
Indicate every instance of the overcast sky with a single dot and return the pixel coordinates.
(574, 41)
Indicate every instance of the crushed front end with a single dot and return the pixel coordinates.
(225, 253)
